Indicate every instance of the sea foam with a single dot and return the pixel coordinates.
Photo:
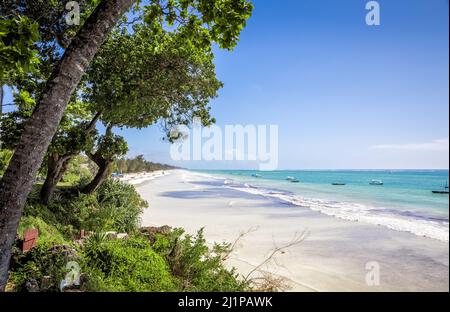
(431, 227)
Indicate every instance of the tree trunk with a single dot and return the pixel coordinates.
(57, 166)
(104, 170)
(41, 127)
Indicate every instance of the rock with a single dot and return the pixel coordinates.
(164, 230)
(32, 285)
(66, 251)
(122, 235)
(151, 231)
(111, 235)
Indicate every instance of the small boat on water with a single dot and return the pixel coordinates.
(443, 191)
(439, 192)
(292, 179)
(338, 183)
(255, 175)
(376, 182)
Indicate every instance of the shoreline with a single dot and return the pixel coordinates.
(333, 257)
(140, 178)
(404, 220)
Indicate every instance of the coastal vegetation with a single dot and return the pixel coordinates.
(139, 164)
(146, 259)
(127, 64)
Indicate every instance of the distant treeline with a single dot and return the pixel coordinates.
(139, 164)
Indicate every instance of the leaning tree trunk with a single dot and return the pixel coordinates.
(104, 170)
(56, 167)
(41, 127)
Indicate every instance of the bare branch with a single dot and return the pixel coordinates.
(298, 238)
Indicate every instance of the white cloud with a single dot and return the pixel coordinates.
(436, 145)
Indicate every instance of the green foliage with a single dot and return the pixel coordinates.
(198, 267)
(139, 78)
(164, 71)
(110, 146)
(138, 164)
(125, 202)
(77, 171)
(12, 123)
(168, 261)
(48, 234)
(201, 22)
(17, 52)
(5, 157)
(116, 206)
(40, 268)
(126, 265)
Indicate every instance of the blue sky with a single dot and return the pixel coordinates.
(343, 94)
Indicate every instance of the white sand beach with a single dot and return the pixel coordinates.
(142, 177)
(333, 257)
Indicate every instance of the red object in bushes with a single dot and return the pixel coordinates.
(29, 239)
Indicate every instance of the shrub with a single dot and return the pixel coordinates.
(40, 269)
(116, 206)
(165, 260)
(126, 265)
(122, 204)
(73, 178)
(77, 171)
(198, 267)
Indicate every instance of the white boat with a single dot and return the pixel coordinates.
(255, 175)
(376, 182)
(289, 178)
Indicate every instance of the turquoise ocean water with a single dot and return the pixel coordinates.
(404, 202)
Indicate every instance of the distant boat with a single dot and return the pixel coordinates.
(289, 178)
(337, 183)
(439, 192)
(444, 191)
(295, 180)
(376, 182)
(255, 175)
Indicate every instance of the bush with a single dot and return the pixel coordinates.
(126, 265)
(124, 204)
(40, 269)
(73, 178)
(116, 206)
(77, 171)
(198, 267)
(165, 260)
